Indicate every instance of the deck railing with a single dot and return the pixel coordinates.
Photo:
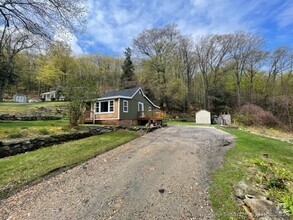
(151, 115)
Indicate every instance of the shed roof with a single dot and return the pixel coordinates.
(19, 94)
(203, 110)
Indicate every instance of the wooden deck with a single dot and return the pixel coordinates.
(155, 115)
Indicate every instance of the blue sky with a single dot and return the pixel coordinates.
(112, 24)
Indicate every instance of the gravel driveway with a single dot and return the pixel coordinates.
(161, 175)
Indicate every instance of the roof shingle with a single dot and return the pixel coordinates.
(125, 92)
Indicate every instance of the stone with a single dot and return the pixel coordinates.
(161, 191)
(263, 209)
(240, 190)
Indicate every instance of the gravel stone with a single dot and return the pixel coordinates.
(123, 183)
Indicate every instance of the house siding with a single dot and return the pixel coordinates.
(118, 122)
(105, 116)
(133, 106)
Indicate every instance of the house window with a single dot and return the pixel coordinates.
(97, 107)
(125, 106)
(111, 106)
(105, 106)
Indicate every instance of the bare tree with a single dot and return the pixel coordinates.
(279, 62)
(159, 46)
(203, 51)
(243, 45)
(43, 18)
(212, 54)
(256, 60)
(22, 20)
(11, 43)
(187, 58)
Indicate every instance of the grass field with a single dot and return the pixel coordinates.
(23, 129)
(264, 163)
(20, 170)
(14, 108)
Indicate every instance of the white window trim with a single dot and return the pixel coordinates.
(125, 101)
(108, 112)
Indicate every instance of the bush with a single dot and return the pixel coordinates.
(251, 114)
(16, 134)
(43, 131)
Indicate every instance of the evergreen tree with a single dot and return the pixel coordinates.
(127, 78)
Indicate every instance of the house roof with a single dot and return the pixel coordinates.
(45, 93)
(126, 94)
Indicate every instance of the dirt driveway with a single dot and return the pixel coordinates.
(162, 175)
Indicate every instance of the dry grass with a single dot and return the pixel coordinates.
(271, 132)
(29, 129)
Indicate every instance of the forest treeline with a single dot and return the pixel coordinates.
(180, 73)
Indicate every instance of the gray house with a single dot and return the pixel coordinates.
(128, 106)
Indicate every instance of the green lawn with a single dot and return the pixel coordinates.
(14, 108)
(20, 170)
(259, 161)
(179, 122)
(23, 129)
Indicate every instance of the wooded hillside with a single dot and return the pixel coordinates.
(180, 73)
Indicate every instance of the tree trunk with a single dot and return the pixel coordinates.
(238, 93)
(251, 89)
(205, 91)
(2, 91)
(74, 116)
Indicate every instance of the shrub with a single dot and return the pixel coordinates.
(43, 131)
(15, 134)
(251, 114)
(65, 128)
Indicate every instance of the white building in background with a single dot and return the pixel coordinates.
(203, 117)
(48, 96)
(20, 98)
(224, 119)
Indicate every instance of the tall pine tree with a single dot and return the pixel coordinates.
(127, 78)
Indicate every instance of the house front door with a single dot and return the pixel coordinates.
(141, 109)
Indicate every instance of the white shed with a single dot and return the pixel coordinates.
(203, 117)
(19, 98)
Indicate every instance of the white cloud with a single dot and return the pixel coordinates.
(113, 24)
(70, 39)
(285, 16)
